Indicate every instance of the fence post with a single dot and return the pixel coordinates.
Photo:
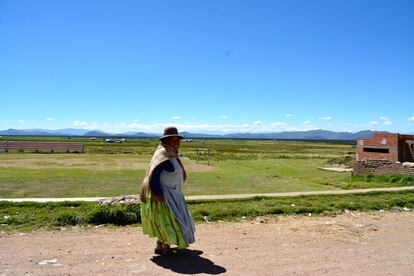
(198, 153)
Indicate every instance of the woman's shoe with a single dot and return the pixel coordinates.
(163, 249)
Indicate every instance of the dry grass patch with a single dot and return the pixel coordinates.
(86, 162)
(198, 167)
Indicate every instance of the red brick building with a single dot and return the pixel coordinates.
(386, 146)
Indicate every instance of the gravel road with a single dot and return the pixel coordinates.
(352, 243)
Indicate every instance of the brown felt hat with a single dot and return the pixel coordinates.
(169, 132)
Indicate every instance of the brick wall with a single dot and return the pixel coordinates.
(392, 155)
(382, 167)
(383, 139)
(389, 141)
(405, 153)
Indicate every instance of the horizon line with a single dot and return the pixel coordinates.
(131, 132)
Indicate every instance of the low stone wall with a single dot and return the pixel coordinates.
(382, 167)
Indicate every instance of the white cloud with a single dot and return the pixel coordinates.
(411, 118)
(224, 117)
(288, 115)
(373, 125)
(306, 122)
(346, 129)
(120, 127)
(50, 119)
(87, 125)
(326, 118)
(257, 123)
(278, 124)
(21, 121)
(176, 117)
(383, 118)
(255, 127)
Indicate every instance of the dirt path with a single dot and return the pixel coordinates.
(348, 244)
(334, 192)
(232, 196)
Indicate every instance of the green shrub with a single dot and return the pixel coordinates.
(66, 219)
(115, 214)
(11, 220)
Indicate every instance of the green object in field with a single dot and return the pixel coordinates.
(198, 150)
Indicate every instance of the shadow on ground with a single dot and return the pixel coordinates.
(187, 261)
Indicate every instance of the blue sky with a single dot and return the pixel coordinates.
(207, 66)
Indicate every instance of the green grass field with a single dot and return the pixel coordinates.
(237, 167)
(29, 216)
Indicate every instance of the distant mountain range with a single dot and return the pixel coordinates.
(302, 135)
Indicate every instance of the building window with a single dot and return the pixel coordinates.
(379, 150)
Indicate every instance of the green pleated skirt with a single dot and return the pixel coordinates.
(158, 222)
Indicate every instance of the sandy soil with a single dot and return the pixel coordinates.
(198, 167)
(48, 162)
(347, 244)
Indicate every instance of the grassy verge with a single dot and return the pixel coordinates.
(380, 181)
(395, 178)
(28, 216)
(315, 204)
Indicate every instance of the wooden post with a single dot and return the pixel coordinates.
(198, 153)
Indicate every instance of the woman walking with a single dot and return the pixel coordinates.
(164, 214)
